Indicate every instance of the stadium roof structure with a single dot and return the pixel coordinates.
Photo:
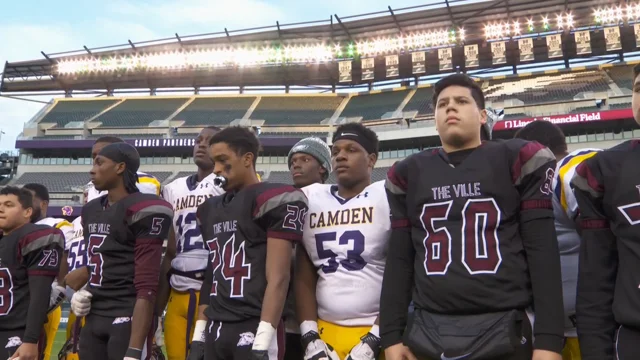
(460, 17)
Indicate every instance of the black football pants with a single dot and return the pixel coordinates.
(627, 341)
(293, 349)
(11, 340)
(107, 338)
(234, 340)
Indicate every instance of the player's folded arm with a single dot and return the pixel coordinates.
(532, 173)
(398, 275)
(40, 252)
(598, 264)
(150, 224)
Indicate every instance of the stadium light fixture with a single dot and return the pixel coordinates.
(530, 25)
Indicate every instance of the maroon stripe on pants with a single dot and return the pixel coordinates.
(281, 336)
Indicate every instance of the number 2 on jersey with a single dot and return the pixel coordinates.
(480, 244)
(352, 262)
(235, 268)
(190, 236)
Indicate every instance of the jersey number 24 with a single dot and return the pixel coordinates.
(232, 264)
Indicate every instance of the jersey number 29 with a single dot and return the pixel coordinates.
(480, 243)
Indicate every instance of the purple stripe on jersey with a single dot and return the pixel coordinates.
(272, 198)
(397, 181)
(38, 239)
(530, 158)
(585, 180)
(284, 235)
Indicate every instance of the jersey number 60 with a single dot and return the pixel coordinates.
(480, 243)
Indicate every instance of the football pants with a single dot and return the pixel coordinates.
(341, 338)
(179, 323)
(51, 328)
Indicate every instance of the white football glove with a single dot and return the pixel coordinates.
(57, 296)
(368, 348)
(81, 303)
(159, 336)
(314, 347)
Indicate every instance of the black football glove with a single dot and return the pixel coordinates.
(259, 355)
(316, 349)
(367, 349)
(196, 351)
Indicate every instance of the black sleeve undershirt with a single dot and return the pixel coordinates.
(397, 285)
(541, 246)
(205, 289)
(39, 294)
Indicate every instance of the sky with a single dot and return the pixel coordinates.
(31, 26)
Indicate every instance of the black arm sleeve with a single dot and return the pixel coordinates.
(39, 293)
(539, 239)
(396, 288)
(597, 266)
(205, 289)
(397, 281)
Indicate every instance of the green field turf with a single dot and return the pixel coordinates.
(61, 337)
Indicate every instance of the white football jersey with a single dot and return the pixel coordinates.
(75, 247)
(62, 224)
(147, 184)
(347, 242)
(185, 195)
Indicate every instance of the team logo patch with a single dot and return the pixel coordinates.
(14, 341)
(545, 188)
(121, 320)
(67, 210)
(246, 339)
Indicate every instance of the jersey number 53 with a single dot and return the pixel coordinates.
(353, 260)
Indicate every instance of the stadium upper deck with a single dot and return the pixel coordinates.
(591, 103)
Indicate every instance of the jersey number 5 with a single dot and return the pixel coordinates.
(6, 291)
(480, 244)
(95, 259)
(233, 264)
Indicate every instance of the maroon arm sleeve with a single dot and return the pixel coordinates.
(150, 222)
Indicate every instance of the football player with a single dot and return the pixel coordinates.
(248, 231)
(186, 258)
(124, 230)
(607, 305)
(339, 270)
(565, 210)
(29, 262)
(39, 216)
(309, 163)
(473, 236)
(147, 184)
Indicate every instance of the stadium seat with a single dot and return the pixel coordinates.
(56, 182)
(140, 112)
(301, 110)
(620, 106)
(160, 175)
(547, 88)
(421, 101)
(373, 106)
(66, 111)
(622, 76)
(214, 111)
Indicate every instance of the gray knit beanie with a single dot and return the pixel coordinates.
(315, 147)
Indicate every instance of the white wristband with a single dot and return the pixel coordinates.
(199, 331)
(375, 330)
(309, 325)
(263, 337)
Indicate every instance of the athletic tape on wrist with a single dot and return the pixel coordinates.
(308, 326)
(133, 353)
(199, 330)
(264, 336)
